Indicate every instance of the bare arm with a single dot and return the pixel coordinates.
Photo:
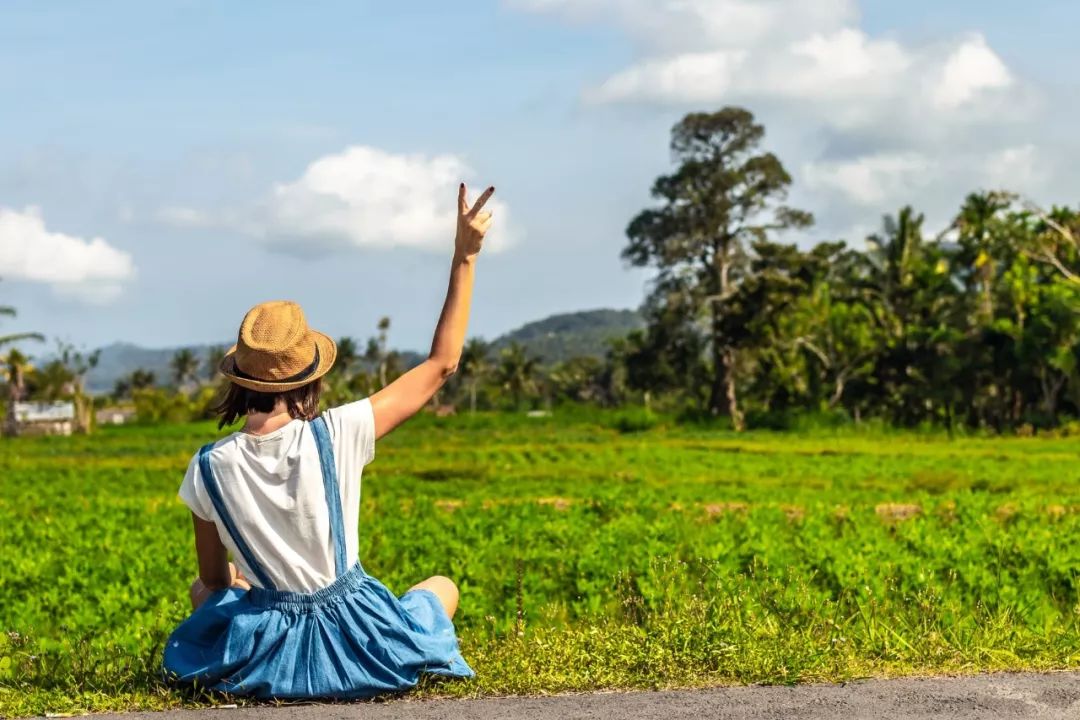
(214, 572)
(404, 397)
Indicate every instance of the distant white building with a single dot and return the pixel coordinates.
(45, 418)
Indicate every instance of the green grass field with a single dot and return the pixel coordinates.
(587, 558)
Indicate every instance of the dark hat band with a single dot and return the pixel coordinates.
(302, 375)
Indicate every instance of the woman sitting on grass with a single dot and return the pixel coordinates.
(297, 616)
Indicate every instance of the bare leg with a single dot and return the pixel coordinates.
(444, 589)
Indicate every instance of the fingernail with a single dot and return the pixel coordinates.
(461, 185)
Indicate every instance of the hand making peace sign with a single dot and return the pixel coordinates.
(472, 223)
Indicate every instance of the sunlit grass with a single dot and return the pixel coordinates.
(588, 557)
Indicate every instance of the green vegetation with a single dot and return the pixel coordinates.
(15, 366)
(606, 545)
(976, 326)
(563, 337)
(599, 550)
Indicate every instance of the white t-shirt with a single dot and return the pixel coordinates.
(272, 487)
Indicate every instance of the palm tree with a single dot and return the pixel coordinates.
(348, 352)
(375, 353)
(517, 371)
(978, 248)
(138, 379)
(16, 365)
(893, 257)
(77, 364)
(214, 355)
(473, 366)
(384, 330)
(185, 367)
(8, 311)
(53, 381)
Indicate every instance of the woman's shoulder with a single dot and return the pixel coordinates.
(215, 450)
(215, 447)
(356, 413)
(352, 429)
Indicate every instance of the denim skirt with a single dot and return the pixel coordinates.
(350, 639)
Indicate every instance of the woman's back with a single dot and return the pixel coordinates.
(272, 488)
(284, 500)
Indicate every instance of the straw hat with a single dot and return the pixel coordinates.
(276, 351)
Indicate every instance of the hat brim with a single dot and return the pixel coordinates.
(327, 357)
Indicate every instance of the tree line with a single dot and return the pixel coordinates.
(973, 324)
(486, 380)
(977, 324)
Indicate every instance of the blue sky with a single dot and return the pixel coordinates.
(164, 166)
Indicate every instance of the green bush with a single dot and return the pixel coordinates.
(633, 420)
(156, 405)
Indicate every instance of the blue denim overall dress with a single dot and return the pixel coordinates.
(352, 638)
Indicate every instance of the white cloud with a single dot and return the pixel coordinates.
(872, 180)
(808, 50)
(843, 72)
(845, 64)
(888, 179)
(852, 192)
(840, 76)
(366, 197)
(871, 121)
(969, 70)
(359, 197)
(1016, 168)
(89, 269)
(688, 78)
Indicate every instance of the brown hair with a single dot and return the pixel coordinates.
(302, 402)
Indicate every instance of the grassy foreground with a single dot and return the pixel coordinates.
(587, 558)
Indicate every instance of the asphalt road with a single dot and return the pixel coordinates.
(1005, 695)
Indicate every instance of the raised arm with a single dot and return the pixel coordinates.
(404, 397)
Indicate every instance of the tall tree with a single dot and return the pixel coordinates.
(474, 365)
(214, 355)
(78, 364)
(579, 379)
(16, 366)
(910, 286)
(516, 372)
(137, 379)
(384, 331)
(724, 195)
(1057, 240)
(185, 367)
(982, 249)
(348, 353)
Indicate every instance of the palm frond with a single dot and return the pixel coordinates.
(19, 337)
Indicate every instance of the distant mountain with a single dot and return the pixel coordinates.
(553, 339)
(561, 337)
(120, 359)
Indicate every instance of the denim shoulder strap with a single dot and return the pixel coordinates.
(212, 489)
(333, 493)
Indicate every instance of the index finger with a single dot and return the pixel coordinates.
(481, 200)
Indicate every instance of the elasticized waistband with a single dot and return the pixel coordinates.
(351, 580)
